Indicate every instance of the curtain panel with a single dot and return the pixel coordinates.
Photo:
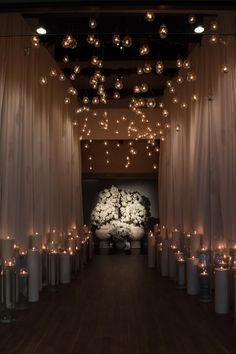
(197, 189)
(40, 162)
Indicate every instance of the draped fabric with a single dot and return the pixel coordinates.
(40, 167)
(197, 189)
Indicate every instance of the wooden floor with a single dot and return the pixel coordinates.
(119, 306)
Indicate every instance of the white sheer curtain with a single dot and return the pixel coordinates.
(40, 163)
(198, 163)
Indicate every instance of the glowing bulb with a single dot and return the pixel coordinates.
(179, 63)
(116, 39)
(85, 100)
(127, 41)
(147, 68)
(163, 31)
(191, 76)
(116, 95)
(151, 103)
(76, 69)
(194, 97)
(159, 67)
(179, 80)
(67, 100)
(118, 84)
(213, 39)
(213, 26)
(191, 19)
(53, 72)
(144, 87)
(65, 59)
(184, 105)
(186, 64)
(150, 16)
(35, 41)
(139, 70)
(43, 80)
(154, 166)
(72, 76)
(175, 100)
(165, 113)
(144, 50)
(62, 77)
(225, 69)
(92, 23)
(91, 38)
(177, 128)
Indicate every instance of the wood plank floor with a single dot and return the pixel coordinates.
(119, 306)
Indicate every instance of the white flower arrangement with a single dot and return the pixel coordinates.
(119, 206)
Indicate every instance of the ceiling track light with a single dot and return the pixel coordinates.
(199, 29)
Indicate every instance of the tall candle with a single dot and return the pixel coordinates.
(221, 290)
(205, 289)
(172, 261)
(192, 276)
(53, 269)
(64, 268)
(195, 244)
(176, 238)
(181, 279)
(151, 250)
(8, 291)
(164, 258)
(158, 255)
(163, 233)
(35, 241)
(7, 247)
(33, 266)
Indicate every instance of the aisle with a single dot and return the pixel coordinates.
(119, 306)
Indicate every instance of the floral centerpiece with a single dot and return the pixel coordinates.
(120, 211)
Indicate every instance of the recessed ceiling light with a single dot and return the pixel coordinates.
(199, 29)
(41, 30)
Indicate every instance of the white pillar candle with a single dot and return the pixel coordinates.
(172, 261)
(64, 268)
(192, 276)
(53, 269)
(163, 233)
(158, 254)
(71, 244)
(53, 237)
(180, 272)
(221, 290)
(164, 258)
(195, 244)
(40, 272)
(232, 290)
(7, 247)
(176, 238)
(35, 241)
(151, 250)
(205, 289)
(33, 266)
(155, 229)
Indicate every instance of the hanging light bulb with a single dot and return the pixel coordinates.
(168, 83)
(139, 70)
(95, 100)
(69, 42)
(92, 23)
(94, 60)
(72, 76)
(154, 166)
(165, 113)
(97, 43)
(116, 39)
(85, 100)
(136, 89)
(184, 105)
(116, 95)
(118, 84)
(159, 67)
(177, 127)
(179, 63)
(151, 103)
(62, 77)
(175, 100)
(150, 16)
(225, 69)
(194, 97)
(147, 68)
(213, 26)
(35, 41)
(186, 64)
(90, 38)
(144, 87)
(127, 41)
(191, 76)
(43, 80)
(53, 72)
(67, 100)
(65, 59)
(72, 91)
(191, 19)
(144, 49)
(172, 89)
(179, 79)
(76, 69)
(163, 31)
(213, 39)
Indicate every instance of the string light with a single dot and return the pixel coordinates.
(116, 39)
(225, 69)
(213, 39)
(154, 166)
(179, 63)
(163, 31)
(118, 84)
(72, 76)
(147, 68)
(151, 103)
(186, 64)
(127, 41)
(62, 77)
(191, 19)
(43, 80)
(67, 100)
(69, 42)
(92, 23)
(144, 49)
(177, 128)
(76, 69)
(35, 41)
(179, 79)
(213, 26)
(139, 70)
(91, 38)
(191, 76)
(53, 72)
(150, 16)
(65, 59)
(116, 95)
(159, 67)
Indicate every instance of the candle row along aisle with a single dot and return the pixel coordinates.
(209, 274)
(25, 273)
